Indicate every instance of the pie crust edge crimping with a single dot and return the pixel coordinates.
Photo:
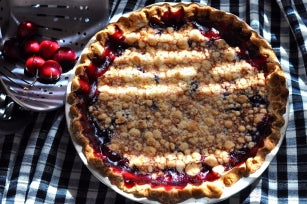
(275, 86)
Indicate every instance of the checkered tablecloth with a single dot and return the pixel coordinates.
(39, 164)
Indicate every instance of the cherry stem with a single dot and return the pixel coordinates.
(33, 82)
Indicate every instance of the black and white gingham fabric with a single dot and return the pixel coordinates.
(38, 162)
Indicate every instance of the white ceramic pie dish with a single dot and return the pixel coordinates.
(228, 191)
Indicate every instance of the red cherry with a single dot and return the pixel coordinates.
(11, 48)
(47, 48)
(26, 29)
(50, 71)
(33, 65)
(31, 47)
(66, 56)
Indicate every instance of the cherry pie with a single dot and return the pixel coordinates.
(177, 101)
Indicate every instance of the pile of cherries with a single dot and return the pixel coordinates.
(46, 60)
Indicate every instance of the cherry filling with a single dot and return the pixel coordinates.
(251, 54)
(114, 47)
(170, 179)
(174, 19)
(235, 38)
(99, 138)
(214, 30)
(208, 30)
(237, 157)
(257, 100)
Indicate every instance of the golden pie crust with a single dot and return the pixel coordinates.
(177, 99)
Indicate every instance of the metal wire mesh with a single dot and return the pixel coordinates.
(71, 23)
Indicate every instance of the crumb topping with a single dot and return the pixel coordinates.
(177, 99)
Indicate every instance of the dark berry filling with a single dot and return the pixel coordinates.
(154, 106)
(207, 30)
(257, 100)
(263, 130)
(141, 69)
(251, 54)
(170, 179)
(235, 37)
(99, 138)
(215, 30)
(237, 157)
(168, 19)
(157, 79)
(114, 46)
(193, 86)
